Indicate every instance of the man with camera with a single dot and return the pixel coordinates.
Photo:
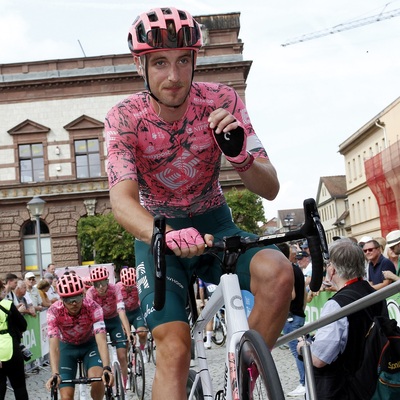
(12, 324)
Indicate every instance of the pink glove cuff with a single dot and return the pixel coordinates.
(183, 238)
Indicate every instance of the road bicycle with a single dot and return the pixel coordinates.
(82, 380)
(118, 388)
(250, 371)
(136, 370)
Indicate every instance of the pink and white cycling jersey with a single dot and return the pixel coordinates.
(131, 299)
(175, 164)
(75, 329)
(112, 303)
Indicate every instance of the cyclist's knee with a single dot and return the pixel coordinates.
(173, 341)
(271, 267)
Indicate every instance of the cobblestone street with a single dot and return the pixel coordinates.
(283, 359)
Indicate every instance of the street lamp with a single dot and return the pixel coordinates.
(35, 207)
(288, 221)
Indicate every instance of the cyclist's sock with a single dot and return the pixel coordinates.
(208, 336)
(125, 379)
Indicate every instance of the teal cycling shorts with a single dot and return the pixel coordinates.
(116, 332)
(135, 317)
(70, 353)
(180, 270)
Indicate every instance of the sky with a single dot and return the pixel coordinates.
(304, 99)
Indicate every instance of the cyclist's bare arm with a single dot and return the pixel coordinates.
(262, 170)
(54, 354)
(124, 197)
(125, 323)
(101, 340)
(138, 221)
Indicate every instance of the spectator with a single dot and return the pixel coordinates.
(76, 330)
(51, 269)
(393, 245)
(337, 348)
(20, 301)
(10, 284)
(52, 292)
(32, 290)
(296, 318)
(12, 325)
(304, 262)
(43, 287)
(377, 263)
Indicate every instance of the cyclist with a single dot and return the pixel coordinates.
(134, 314)
(76, 329)
(164, 156)
(110, 298)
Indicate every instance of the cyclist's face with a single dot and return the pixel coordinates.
(170, 75)
(101, 286)
(74, 307)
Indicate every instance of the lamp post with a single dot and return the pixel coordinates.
(35, 208)
(288, 221)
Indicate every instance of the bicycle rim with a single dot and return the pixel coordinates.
(257, 374)
(119, 390)
(139, 374)
(198, 393)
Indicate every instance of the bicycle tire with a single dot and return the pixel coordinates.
(198, 393)
(119, 390)
(219, 333)
(255, 361)
(138, 373)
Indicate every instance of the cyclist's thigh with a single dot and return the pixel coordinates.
(178, 273)
(135, 317)
(114, 328)
(91, 356)
(69, 354)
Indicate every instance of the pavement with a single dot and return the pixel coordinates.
(285, 364)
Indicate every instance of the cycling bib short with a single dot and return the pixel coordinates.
(217, 222)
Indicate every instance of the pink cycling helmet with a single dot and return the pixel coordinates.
(164, 28)
(128, 276)
(69, 285)
(99, 274)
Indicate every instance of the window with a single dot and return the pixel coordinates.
(30, 239)
(87, 156)
(31, 162)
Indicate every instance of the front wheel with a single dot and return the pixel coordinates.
(219, 331)
(119, 390)
(198, 392)
(138, 373)
(257, 374)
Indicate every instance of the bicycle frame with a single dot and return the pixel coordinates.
(227, 293)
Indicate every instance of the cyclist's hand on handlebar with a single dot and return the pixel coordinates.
(108, 377)
(188, 242)
(229, 135)
(55, 379)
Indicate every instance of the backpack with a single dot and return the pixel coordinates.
(378, 377)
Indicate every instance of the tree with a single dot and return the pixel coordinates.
(247, 209)
(103, 240)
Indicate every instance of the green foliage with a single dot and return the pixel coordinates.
(103, 240)
(247, 209)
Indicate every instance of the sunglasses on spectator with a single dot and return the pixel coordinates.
(369, 250)
(31, 279)
(73, 299)
(100, 283)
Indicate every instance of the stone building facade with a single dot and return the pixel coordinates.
(52, 145)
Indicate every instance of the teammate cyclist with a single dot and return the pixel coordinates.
(76, 330)
(134, 314)
(109, 297)
(164, 156)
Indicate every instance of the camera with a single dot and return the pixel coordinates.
(26, 353)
